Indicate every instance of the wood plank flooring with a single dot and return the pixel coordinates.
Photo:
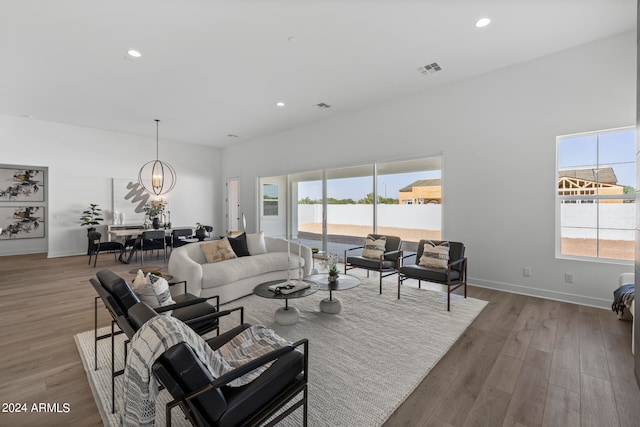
(523, 362)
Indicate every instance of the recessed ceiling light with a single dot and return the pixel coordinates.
(483, 22)
(280, 104)
(134, 53)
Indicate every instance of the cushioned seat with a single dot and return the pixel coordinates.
(386, 263)
(450, 269)
(129, 313)
(96, 246)
(216, 404)
(428, 274)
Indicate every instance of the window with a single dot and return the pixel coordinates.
(596, 175)
(270, 200)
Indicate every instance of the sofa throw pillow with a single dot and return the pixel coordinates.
(435, 256)
(239, 245)
(374, 248)
(256, 244)
(152, 290)
(217, 250)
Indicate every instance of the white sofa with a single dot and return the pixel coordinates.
(623, 279)
(235, 278)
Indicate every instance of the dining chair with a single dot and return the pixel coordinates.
(153, 240)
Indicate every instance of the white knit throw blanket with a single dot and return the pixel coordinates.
(162, 332)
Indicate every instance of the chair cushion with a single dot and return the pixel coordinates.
(239, 245)
(193, 311)
(119, 289)
(218, 250)
(110, 246)
(140, 313)
(435, 255)
(429, 274)
(374, 247)
(369, 263)
(247, 400)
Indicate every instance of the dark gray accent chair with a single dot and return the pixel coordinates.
(385, 266)
(177, 237)
(454, 276)
(152, 240)
(208, 401)
(96, 246)
(124, 308)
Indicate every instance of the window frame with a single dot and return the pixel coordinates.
(589, 198)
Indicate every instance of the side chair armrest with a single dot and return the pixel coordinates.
(456, 262)
(217, 315)
(187, 303)
(353, 249)
(180, 305)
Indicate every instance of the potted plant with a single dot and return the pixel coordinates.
(154, 210)
(90, 217)
(332, 265)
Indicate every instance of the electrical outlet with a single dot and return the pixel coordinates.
(568, 277)
(526, 271)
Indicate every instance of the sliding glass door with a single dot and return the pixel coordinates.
(334, 209)
(409, 203)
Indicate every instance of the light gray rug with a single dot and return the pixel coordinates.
(363, 362)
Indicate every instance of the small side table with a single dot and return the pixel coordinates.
(285, 315)
(345, 281)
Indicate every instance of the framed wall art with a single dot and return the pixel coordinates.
(129, 199)
(22, 222)
(21, 185)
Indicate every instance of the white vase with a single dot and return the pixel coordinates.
(116, 217)
(122, 218)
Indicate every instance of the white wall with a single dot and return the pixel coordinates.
(82, 162)
(497, 133)
(427, 217)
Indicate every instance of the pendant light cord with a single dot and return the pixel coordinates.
(157, 152)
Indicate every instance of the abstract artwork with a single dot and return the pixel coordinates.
(129, 199)
(21, 222)
(21, 185)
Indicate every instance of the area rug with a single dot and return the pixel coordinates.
(363, 362)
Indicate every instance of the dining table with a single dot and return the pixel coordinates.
(129, 233)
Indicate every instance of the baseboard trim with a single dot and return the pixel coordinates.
(542, 293)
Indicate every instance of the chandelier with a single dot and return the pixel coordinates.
(162, 174)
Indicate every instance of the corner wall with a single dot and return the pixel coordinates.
(82, 163)
(496, 131)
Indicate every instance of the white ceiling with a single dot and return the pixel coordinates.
(213, 68)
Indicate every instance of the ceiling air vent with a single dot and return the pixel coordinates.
(322, 106)
(430, 68)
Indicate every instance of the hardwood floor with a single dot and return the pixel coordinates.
(523, 362)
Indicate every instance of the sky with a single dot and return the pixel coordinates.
(357, 188)
(615, 149)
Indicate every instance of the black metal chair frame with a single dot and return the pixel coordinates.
(96, 246)
(451, 285)
(383, 272)
(174, 239)
(268, 411)
(119, 318)
(156, 240)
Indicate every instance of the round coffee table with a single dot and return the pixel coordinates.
(345, 281)
(285, 315)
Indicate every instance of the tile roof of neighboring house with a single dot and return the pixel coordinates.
(422, 183)
(602, 175)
